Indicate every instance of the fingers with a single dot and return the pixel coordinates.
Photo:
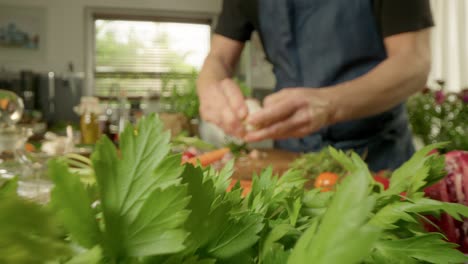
(223, 106)
(230, 123)
(274, 113)
(299, 121)
(275, 98)
(235, 98)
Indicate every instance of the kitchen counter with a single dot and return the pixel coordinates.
(246, 166)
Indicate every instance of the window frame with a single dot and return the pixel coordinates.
(92, 14)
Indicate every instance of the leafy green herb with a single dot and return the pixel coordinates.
(154, 210)
(28, 232)
(312, 164)
(327, 241)
(427, 248)
(73, 210)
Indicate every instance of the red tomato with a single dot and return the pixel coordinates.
(326, 181)
(187, 155)
(384, 181)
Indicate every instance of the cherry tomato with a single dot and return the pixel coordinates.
(326, 181)
(187, 155)
(384, 181)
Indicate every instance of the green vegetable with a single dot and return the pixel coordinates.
(75, 210)
(28, 232)
(153, 210)
(183, 141)
(313, 164)
(143, 203)
(329, 240)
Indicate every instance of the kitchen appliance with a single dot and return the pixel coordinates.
(49, 96)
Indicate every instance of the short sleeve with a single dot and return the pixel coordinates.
(233, 23)
(401, 16)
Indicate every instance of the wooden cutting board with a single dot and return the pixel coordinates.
(246, 166)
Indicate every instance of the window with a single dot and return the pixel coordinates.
(144, 57)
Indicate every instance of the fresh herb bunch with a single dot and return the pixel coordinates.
(153, 210)
(29, 233)
(180, 95)
(436, 116)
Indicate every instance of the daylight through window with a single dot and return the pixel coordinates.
(144, 58)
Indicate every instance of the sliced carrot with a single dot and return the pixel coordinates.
(208, 157)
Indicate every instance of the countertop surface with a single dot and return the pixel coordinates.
(246, 166)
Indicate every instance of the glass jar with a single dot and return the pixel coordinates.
(89, 126)
(14, 162)
(89, 111)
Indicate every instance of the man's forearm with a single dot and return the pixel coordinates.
(214, 71)
(386, 86)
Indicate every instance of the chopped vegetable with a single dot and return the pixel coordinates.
(208, 158)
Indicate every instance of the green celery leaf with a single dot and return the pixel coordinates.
(412, 175)
(70, 200)
(428, 248)
(277, 233)
(293, 206)
(437, 169)
(92, 256)
(205, 222)
(156, 229)
(28, 232)
(301, 251)
(178, 259)
(345, 220)
(270, 193)
(424, 205)
(343, 159)
(167, 173)
(136, 188)
(291, 179)
(9, 187)
(392, 213)
(222, 179)
(238, 235)
(125, 183)
(246, 257)
(277, 255)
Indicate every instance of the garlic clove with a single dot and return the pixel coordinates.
(253, 106)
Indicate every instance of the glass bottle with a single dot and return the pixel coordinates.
(89, 120)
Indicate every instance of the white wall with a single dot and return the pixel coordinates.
(66, 21)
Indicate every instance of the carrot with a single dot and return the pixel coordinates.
(208, 157)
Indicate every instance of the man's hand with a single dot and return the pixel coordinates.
(224, 105)
(291, 113)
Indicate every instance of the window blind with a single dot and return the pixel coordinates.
(144, 58)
